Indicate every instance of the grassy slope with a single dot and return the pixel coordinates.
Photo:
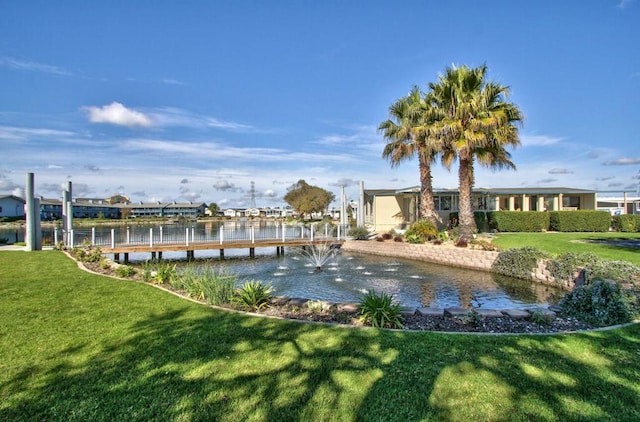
(557, 243)
(75, 346)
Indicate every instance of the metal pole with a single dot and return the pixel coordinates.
(30, 214)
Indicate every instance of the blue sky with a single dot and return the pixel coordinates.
(165, 100)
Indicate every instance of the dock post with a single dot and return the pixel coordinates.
(126, 258)
(159, 255)
(252, 252)
(221, 253)
(153, 256)
(116, 257)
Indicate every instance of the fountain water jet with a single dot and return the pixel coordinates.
(319, 254)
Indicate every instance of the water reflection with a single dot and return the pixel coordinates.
(414, 284)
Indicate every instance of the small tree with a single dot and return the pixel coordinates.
(214, 208)
(306, 198)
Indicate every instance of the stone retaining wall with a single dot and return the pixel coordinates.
(440, 254)
(473, 259)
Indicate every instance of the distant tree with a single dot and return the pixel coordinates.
(214, 208)
(305, 198)
(117, 199)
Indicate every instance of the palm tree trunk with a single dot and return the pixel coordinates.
(465, 212)
(427, 203)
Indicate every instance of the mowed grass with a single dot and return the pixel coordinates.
(558, 243)
(80, 347)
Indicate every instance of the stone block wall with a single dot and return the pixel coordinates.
(473, 259)
(440, 254)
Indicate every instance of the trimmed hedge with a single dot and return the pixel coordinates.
(518, 221)
(480, 218)
(579, 221)
(627, 223)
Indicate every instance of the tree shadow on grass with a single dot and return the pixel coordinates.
(502, 378)
(223, 367)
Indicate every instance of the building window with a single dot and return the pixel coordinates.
(571, 202)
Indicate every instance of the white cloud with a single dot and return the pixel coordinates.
(622, 162)
(558, 170)
(539, 140)
(117, 114)
(622, 4)
(12, 133)
(18, 64)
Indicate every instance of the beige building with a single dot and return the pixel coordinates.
(387, 209)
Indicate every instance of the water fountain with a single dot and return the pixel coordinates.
(319, 254)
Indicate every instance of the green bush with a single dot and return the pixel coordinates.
(627, 223)
(253, 295)
(619, 271)
(564, 266)
(359, 233)
(125, 271)
(601, 303)
(480, 218)
(518, 262)
(379, 310)
(518, 221)
(579, 221)
(423, 230)
(87, 253)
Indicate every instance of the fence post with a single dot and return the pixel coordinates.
(313, 226)
(93, 236)
(161, 240)
(193, 235)
(113, 238)
(128, 235)
(284, 233)
(221, 234)
(151, 237)
(55, 236)
(187, 235)
(339, 227)
(71, 238)
(326, 229)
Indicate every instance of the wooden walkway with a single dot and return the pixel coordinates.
(157, 249)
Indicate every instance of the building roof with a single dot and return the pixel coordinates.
(16, 198)
(484, 191)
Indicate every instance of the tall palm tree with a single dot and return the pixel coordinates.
(475, 122)
(406, 132)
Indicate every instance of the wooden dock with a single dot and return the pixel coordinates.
(156, 250)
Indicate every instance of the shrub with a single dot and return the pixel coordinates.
(619, 271)
(398, 239)
(601, 303)
(125, 271)
(387, 236)
(87, 253)
(359, 233)
(627, 223)
(165, 273)
(541, 318)
(579, 221)
(413, 238)
(484, 245)
(423, 229)
(518, 221)
(564, 267)
(518, 262)
(4, 240)
(253, 295)
(379, 310)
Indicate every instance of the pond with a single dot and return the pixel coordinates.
(347, 276)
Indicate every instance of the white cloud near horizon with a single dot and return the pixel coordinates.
(117, 114)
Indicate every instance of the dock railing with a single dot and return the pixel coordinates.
(188, 235)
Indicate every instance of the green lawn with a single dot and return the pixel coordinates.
(557, 243)
(75, 346)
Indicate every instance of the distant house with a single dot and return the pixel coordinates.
(51, 209)
(11, 206)
(387, 209)
(164, 209)
(618, 205)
